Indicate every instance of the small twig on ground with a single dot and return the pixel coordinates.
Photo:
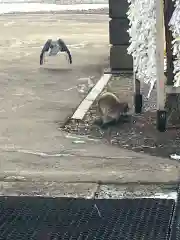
(170, 115)
(95, 205)
(95, 193)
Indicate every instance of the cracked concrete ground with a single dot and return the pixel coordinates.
(87, 190)
(35, 101)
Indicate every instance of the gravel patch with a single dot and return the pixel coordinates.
(138, 133)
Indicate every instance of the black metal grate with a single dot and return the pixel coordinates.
(175, 226)
(79, 219)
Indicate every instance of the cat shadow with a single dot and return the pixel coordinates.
(122, 120)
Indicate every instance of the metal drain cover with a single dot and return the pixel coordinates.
(175, 227)
(36, 218)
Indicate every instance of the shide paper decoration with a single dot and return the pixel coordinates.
(174, 25)
(142, 32)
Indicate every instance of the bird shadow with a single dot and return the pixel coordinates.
(55, 70)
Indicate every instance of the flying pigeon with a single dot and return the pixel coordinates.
(54, 47)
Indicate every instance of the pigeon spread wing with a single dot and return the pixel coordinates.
(64, 48)
(45, 49)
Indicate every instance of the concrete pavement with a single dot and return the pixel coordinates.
(35, 101)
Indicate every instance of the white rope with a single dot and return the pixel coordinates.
(174, 25)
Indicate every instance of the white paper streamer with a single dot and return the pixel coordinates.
(142, 32)
(174, 25)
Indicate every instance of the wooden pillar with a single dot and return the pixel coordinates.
(172, 100)
(161, 93)
(120, 60)
(138, 99)
(168, 11)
